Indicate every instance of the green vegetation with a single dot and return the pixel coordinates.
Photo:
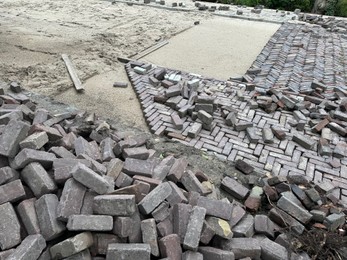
(341, 8)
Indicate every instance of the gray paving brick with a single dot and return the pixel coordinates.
(11, 192)
(194, 228)
(46, 209)
(89, 223)
(30, 248)
(155, 197)
(9, 226)
(27, 213)
(114, 205)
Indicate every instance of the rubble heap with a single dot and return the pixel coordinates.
(330, 23)
(72, 187)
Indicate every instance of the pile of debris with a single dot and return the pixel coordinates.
(330, 23)
(72, 187)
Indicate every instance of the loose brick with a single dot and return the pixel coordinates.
(192, 183)
(149, 235)
(176, 195)
(138, 167)
(194, 130)
(177, 169)
(62, 168)
(27, 213)
(26, 156)
(122, 227)
(155, 197)
(252, 134)
(114, 205)
(46, 209)
(101, 242)
(128, 251)
(189, 255)
(304, 141)
(268, 136)
(220, 226)
(272, 250)
(36, 177)
(216, 208)
(106, 147)
(294, 210)
(234, 188)
(181, 213)
(89, 223)
(11, 192)
(244, 167)
(9, 226)
(114, 168)
(212, 253)
(263, 225)
(243, 247)
(71, 246)
(205, 117)
(61, 152)
(140, 153)
(7, 174)
(245, 228)
(334, 221)
(90, 179)
(241, 126)
(170, 247)
(337, 128)
(30, 248)
(194, 228)
(13, 133)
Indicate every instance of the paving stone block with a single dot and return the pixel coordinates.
(140, 153)
(192, 183)
(7, 174)
(318, 215)
(155, 197)
(234, 188)
(122, 227)
(244, 167)
(149, 235)
(177, 121)
(268, 136)
(264, 225)
(170, 247)
(181, 213)
(46, 210)
(294, 210)
(9, 226)
(194, 228)
(114, 168)
(216, 208)
(205, 117)
(220, 226)
(238, 213)
(114, 205)
(128, 251)
(89, 223)
(53, 134)
(83, 255)
(207, 233)
(62, 168)
(13, 133)
(253, 201)
(101, 241)
(61, 152)
(212, 253)
(280, 134)
(38, 180)
(30, 248)
(11, 192)
(177, 169)
(231, 119)
(71, 246)
(243, 247)
(27, 213)
(26, 156)
(324, 187)
(245, 228)
(176, 195)
(190, 255)
(195, 130)
(35, 141)
(324, 148)
(304, 141)
(165, 227)
(138, 167)
(6, 253)
(90, 179)
(337, 128)
(241, 126)
(334, 221)
(340, 150)
(313, 194)
(106, 147)
(272, 250)
(252, 134)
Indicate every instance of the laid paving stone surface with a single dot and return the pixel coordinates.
(157, 207)
(276, 131)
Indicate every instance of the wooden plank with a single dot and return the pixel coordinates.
(72, 71)
(149, 50)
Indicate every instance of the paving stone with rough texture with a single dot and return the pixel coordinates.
(30, 248)
(9, 226)
(114, 205)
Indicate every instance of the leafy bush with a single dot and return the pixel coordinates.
(341, 8)
(331, 7)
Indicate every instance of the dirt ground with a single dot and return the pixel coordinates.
(34, 34)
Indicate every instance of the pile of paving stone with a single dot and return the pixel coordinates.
(330, 23)
(72, 187)
(314, 108)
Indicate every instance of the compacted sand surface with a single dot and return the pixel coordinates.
(34, 34)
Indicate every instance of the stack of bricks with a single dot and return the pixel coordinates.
(73, 188)
(278, 132)
(331, 23)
